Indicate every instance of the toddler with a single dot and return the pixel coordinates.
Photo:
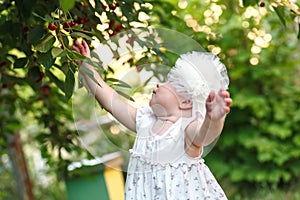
(184, 115)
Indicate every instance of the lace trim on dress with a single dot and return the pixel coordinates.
(184, 160)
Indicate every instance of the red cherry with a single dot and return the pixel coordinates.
(130, 41)
(26, 29)
(112, 7)
(51, 27)
(2, 64)
(111, 23)
(67, 25)
(79, 20)
(86, 20)
(262, 4)
(45, 90)
(133, 36)
(118, 27)
(42, 74)
(4, 85)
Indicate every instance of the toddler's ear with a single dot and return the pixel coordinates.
(186, 104)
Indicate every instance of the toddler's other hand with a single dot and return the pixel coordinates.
(218, 104)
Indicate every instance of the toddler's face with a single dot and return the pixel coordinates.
(164, 97)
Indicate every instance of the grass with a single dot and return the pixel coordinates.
(291, 192)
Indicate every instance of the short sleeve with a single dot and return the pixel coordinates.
(144, 116)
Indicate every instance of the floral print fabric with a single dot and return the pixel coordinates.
(159, 168)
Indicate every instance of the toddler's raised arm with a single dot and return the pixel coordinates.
(104, 94)
(203, 132)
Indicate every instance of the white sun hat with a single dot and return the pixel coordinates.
(195, 74)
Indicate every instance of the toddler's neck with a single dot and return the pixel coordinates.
(161, 125)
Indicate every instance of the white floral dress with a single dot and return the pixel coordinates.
(159, 168)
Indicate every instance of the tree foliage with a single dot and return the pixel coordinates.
(38, 65)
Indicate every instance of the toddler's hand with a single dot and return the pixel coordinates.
(218, 104)
(82, 48)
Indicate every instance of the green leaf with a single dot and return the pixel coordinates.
(18, 80)
(280, 12)
(81, 35)
(54, 79)
(278, 130)
(58, 52)
(161, 54)
(24, 7)
(121, 83)
(67, 4)
(42, 18)
(34, 74)
(261, 175)
(125, 95)
(65, 40)
(78, 56)
(6, 27)
(89, 73)
(46, 43)
(247, 3)
(20, 63)
(46, 59)
(237, 175)
(296, 140)
(127, 11)
(69, 84)
(35, 34)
